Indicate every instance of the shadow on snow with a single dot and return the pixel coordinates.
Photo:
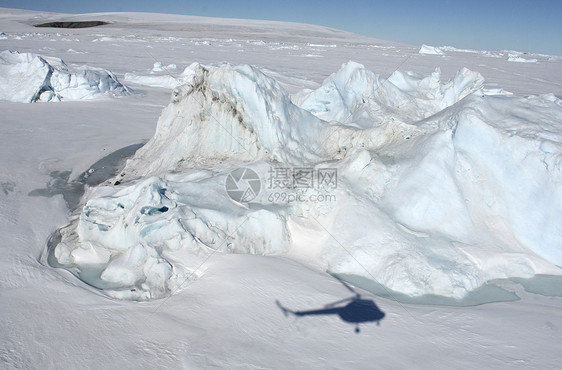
(357, 311)
(102, 170)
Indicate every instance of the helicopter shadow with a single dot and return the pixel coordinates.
(357, 310)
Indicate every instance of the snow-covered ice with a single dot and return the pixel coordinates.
(28, 78)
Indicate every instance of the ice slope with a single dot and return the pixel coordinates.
(227, 113)
(441, 188)
(487, 208)
(28, 78)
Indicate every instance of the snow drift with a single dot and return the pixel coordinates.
(28, 78)
(440, 187)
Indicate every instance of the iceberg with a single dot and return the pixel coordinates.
(431, 50)
(440, 187)
(28, 78)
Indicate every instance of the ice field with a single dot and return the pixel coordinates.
(181, 191)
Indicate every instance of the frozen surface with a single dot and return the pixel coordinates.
(28, 78)
(434, 194)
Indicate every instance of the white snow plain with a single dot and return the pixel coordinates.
(445, 183)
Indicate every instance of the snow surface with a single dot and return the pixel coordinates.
(28, 78)
(455, 186)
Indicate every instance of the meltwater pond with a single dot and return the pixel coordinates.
(499, 290)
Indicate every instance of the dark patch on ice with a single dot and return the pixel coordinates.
(72, 190)
(8, 187)
(76, 24)
(148, 210)
(59, 184)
